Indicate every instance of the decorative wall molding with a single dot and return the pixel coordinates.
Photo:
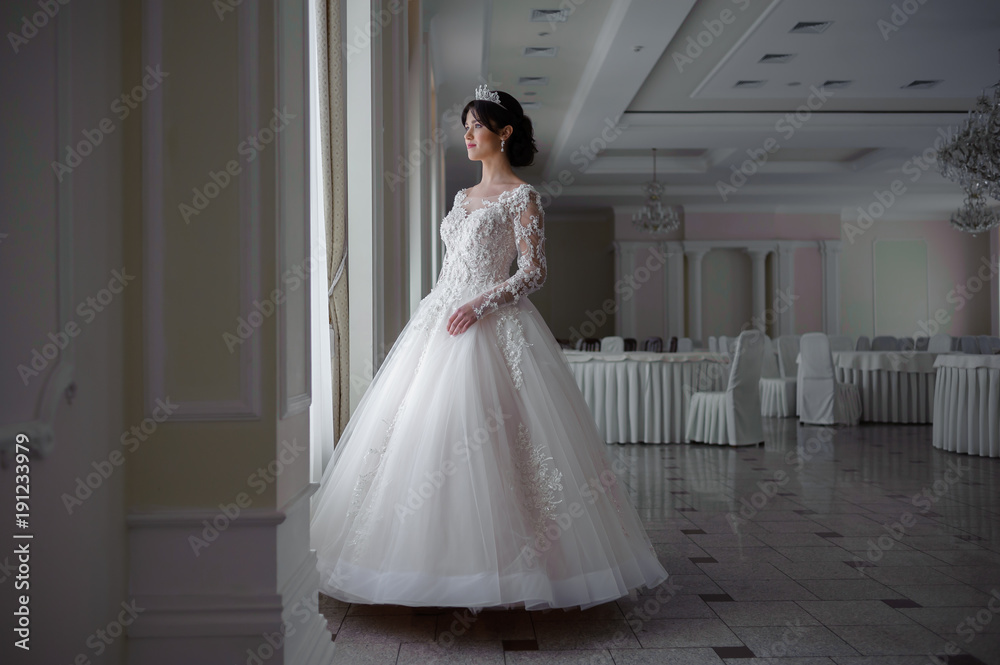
(782, 275)
(625, 324)
(185, 594)
(293, 199)
(830, 253)
(786, 284)
(247, 406)
(59, 380)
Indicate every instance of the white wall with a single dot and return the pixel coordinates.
(77, 566)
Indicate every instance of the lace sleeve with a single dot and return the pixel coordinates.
(529, 234)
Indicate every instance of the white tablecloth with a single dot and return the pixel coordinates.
(641, 396)
(967, 404)
(895, 386)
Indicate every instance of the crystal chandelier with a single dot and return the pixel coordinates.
(972, 159)
(975, 216)
(654, 216)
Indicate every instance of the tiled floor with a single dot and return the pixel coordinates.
(848, 546)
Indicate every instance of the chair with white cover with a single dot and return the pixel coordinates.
(841, 343)
(777, 394)
(985, 344)
(822, 400)
(940, 343)
(723, 344)
(713, 344)
(923, 341)
(864, 344)
(788, 351)
(885, 343)
(968, 344)
(732, 417)
(685, 345)
(613, 344)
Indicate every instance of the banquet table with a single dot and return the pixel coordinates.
(641, 396)
(895, 386)
(967, 404)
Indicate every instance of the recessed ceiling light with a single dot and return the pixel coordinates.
(776, 58)
(794, 83)
(836, 85)
(544, 34)
(921, 84)
(549, 15)
(530, 93)
(531, 105)
(811, 27)
(533, 80)
(749, 84)
(540, 51)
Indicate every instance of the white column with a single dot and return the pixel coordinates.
(783, 300)
(673, 289)
(625, 297)
(830, 251)
(694, 257)
(758, 258)
(994, 284)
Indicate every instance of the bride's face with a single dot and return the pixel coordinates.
(479, 140)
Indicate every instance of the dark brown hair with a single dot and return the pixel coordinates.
(520, 147)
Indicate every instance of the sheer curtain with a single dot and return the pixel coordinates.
(331, 375)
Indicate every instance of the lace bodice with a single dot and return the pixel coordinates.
(482, 242)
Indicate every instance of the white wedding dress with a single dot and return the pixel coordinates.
(472, 473)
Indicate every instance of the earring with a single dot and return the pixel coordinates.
(501, 145)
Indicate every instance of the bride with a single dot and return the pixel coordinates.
(472, 473)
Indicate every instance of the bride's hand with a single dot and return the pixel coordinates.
(462, 319)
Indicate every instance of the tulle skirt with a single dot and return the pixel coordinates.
(472, 475)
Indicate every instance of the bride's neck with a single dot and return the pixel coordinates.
(496, 170)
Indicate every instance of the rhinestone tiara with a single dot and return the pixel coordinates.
(483, 93)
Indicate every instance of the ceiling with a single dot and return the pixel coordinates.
(631, 75)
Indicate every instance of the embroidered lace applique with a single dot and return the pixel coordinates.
(512, 342)
(538, 484)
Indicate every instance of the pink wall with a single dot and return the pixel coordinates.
(953, 260)
(809, 288)
(760, 226)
